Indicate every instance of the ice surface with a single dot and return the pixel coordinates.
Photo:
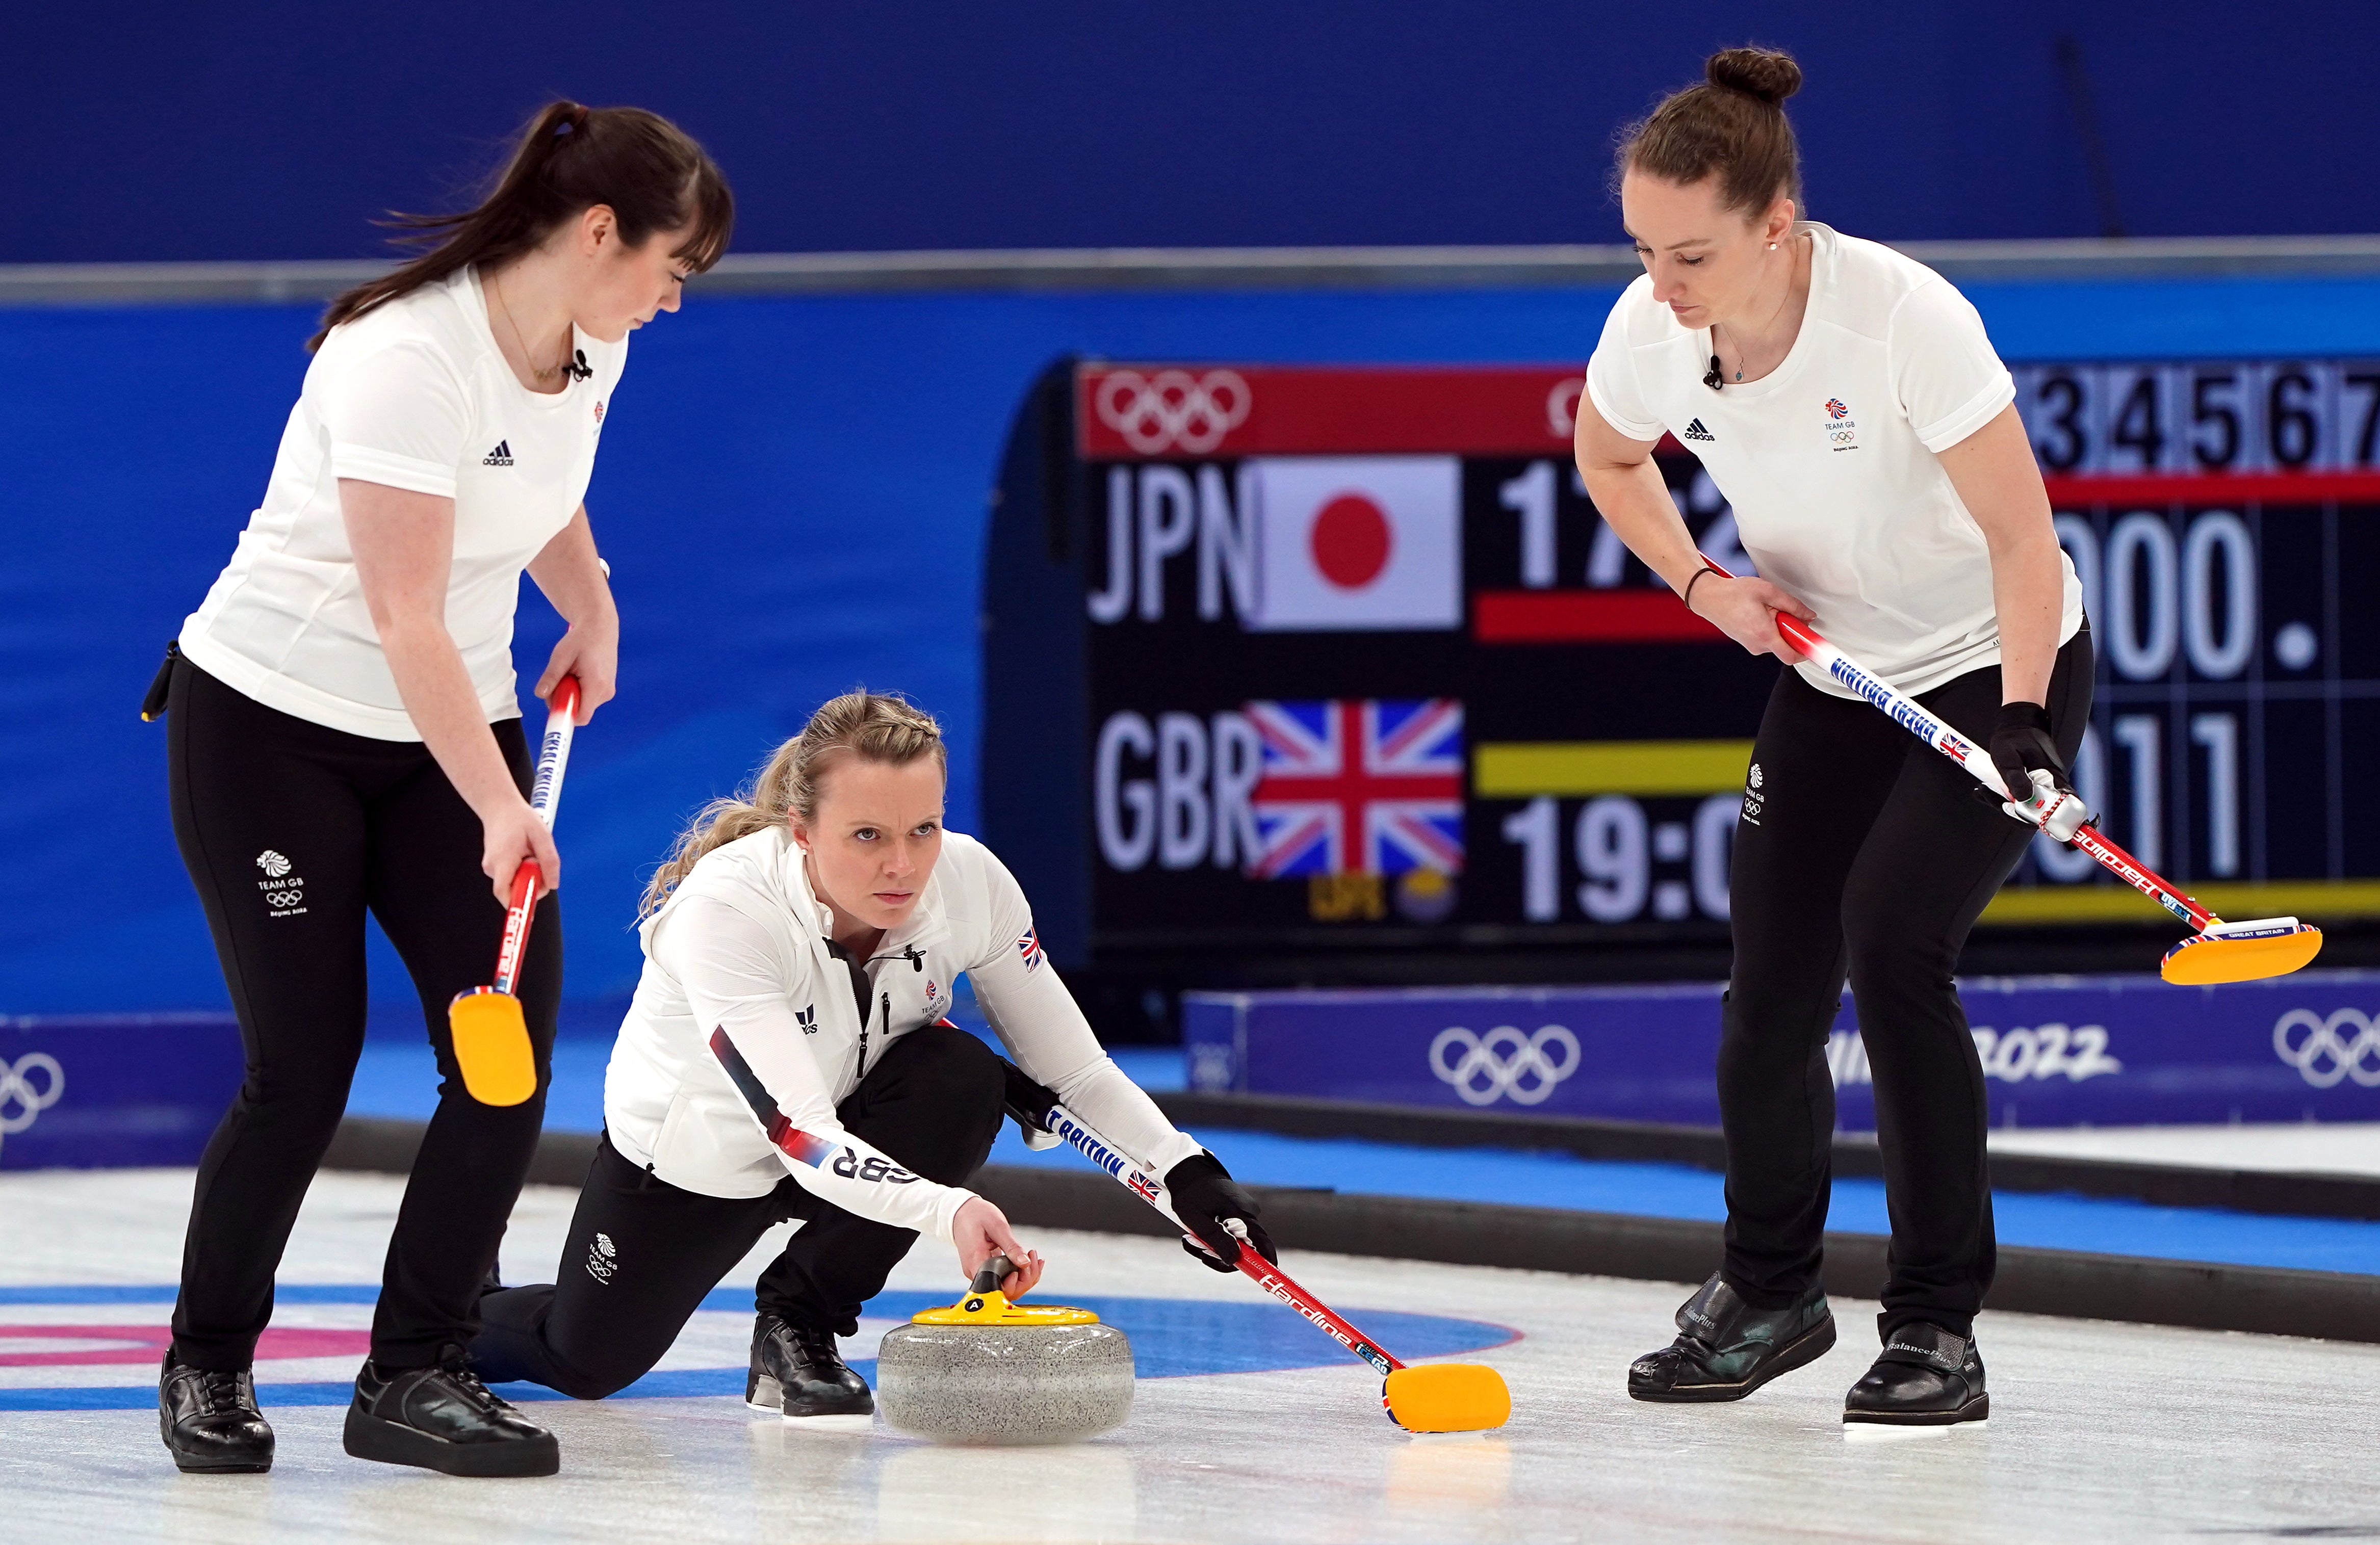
(2099, 1431)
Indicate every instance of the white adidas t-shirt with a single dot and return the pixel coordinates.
(413, 395)
(1829, 461)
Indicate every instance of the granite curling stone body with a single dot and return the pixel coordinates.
(985, 1371)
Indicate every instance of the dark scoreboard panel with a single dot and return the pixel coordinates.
(1288, 658)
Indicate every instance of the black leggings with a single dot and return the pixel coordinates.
(1860, 851)
(642, 1252)
(291, 830)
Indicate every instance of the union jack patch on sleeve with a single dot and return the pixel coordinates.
(1028, 943)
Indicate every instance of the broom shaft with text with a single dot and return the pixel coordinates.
(544, 797)
(1071, 1131)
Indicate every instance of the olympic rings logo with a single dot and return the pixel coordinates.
(1494, 1066)
(1561, 407)
(1172, 409)
(20, 1098)
(1841, 437)
(2320, 1055)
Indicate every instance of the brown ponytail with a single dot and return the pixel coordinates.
(1733, 125)
(647, 170)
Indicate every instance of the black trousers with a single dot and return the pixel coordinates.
(291, 830)
(1862, 852)
(642, 1252)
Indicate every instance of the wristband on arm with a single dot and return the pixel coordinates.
(1687, 594)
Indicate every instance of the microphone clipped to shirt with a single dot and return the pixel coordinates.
(580, 370)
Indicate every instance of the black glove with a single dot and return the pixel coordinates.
(2021, 748)
(1204, 1195)
(2019, 743)
(1028, 1103)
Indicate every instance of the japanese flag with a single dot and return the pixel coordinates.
(1356, 542)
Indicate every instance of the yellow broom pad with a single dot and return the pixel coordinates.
(491, 1045)
(2209, 959)
(1448, 1397)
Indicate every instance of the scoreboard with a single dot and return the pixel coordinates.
(1283, 661)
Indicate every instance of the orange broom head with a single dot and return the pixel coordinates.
(1448, 1397)
(2243, 952)
(491, 1045)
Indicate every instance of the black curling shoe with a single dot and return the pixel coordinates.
(1726, 1349)
(796, 1373)
(443, 1419)
(1925, 1377)
(210, 1421)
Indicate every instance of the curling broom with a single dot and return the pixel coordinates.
(2216, 952)
(1434, 1397)
(490, 1037)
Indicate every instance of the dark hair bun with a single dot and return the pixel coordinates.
(1766, 73)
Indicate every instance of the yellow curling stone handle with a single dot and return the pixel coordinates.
(985, 1304)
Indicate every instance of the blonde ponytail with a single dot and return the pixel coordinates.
(874, 727)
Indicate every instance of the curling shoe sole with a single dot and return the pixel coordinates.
(1976, 1412)
(190, 1466)
(190, 1463)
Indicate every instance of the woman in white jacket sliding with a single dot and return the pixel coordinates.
(785, 1057)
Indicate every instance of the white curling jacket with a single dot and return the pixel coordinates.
(743, 1036)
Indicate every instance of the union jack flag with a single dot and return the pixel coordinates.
(1028, 943)
(1365, 786)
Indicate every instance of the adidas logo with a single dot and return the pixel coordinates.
(1695, 430)
(503, 455)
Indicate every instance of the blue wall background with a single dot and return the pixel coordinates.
(275, 128)
(792, 493)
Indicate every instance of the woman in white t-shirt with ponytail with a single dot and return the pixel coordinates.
(1846, 402)
(344, 735)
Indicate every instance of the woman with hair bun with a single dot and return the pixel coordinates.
(1848, 403)
(786, 1057)
(345, 736)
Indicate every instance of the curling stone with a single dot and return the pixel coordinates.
(985, 1370)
